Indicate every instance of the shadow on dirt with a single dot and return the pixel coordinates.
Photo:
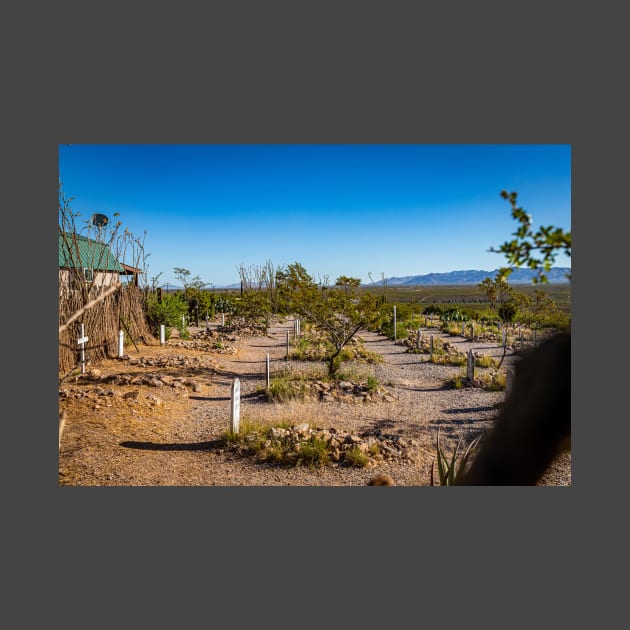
(469, 409)
(194, 446)
(251, 396)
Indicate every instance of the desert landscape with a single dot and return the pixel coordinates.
(160, 415)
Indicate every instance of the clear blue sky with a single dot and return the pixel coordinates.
(392, 210)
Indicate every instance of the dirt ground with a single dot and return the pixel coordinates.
(158, 415)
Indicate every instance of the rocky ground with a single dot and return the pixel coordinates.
(159, 415)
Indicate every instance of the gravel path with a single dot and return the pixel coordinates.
(122, 438)
(420, 406)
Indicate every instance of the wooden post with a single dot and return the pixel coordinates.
(418, 339)
(235, 409)
(287, 345)
(509, 381)
(268, 372)
(470, 366)
(431, 351)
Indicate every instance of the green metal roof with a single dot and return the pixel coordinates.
(79, 251)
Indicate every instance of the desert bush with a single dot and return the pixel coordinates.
(286, 385)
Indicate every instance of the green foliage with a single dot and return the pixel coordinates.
(537, 250)
(347, 283)
(224, 305)
(356, 458)
(168, 311)
(285, 386)
(486, 361)
(254, 306)
(313, 452)
(336, 312)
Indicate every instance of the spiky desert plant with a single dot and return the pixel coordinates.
(450, 472)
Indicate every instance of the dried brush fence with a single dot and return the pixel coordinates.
(123, 309)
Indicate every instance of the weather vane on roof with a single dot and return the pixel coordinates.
(99, 220)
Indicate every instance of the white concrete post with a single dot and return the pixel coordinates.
(162, 335)
(419, 339)
(82, 340)
(235, 410)
(121, 343)
(222, 319)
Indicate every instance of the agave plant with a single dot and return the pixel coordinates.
(450, 472)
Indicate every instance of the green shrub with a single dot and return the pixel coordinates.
(285, 386)
(168, 311)
(356, 457)
(313, 452)
(486, 361)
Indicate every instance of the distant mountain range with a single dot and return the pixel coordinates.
(467, 276)
(473, 276)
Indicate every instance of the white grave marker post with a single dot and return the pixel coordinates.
(162, 334)
(235, 410)
(222, 319)
(81, 341)
(268, 372)
(470, 366)
(121, 343)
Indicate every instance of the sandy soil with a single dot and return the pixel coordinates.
(157, 417)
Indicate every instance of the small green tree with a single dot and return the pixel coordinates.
(167, 311)
(347, 283)
(336, 311)
(182, 275)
